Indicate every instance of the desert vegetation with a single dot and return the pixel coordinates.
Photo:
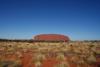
(26, 53)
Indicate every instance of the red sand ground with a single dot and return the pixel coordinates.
(49, 62)
(26, 60)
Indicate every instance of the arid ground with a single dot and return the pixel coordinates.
(49, 54)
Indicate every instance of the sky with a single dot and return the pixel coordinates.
(23, 19)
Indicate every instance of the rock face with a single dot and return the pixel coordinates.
(51, 37)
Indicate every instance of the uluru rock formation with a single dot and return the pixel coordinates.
(51, 37)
